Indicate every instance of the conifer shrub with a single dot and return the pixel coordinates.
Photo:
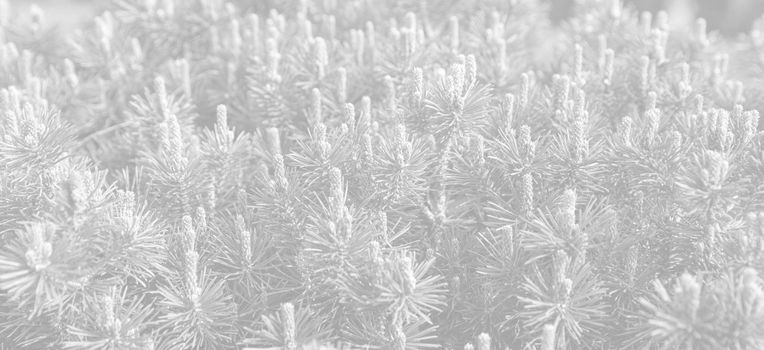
(409, 175)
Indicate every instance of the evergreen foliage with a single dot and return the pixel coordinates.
(389, 174)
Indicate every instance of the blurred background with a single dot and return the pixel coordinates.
(729, 17)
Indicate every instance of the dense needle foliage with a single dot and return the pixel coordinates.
(388, 174)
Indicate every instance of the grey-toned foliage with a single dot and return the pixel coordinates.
(390, 174)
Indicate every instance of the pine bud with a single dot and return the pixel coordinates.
(349, 116)
(240, 224)
(484, 341)
(711, 234)
(676, 140)
(399, 336)
(336, 189)
(321, 57)
(346, 225)
(246, 245)
(561, 89)
(721, 65)
(458, 75)
(124, 207)
(717, 167)
(400, 144)
(188, 234)
(253, 34)
(406, 39)
(9, 52)
(276, 24)
(566, 209)
(722, 129)
(646, 20)
(342, 82)
(168, 7)
(579, 103)
(235, 41)
(609, 59)
(273, 58)
(382, 226)
(410, 35)
(653, 117)
(136, 51)
(225, 136)
(241, 193)
(70, 73)
(358, 43)
(601, 48)
(453, 26)
(684, 87)
(525, 90)
(319, 130)
(565, 290)
(365, 118)
(689, 290)
(5, 15)
(470, 71)
(737, 92)
(390, 94)
(418, 84)
(685, 67)
(750, 125)
(652, 100)
(108, 307)
(548, 337)
(662, 21)
(367, 152)
(578, 66)
(477, 145)
(105, 33)
(273, 139)
(38, 255)
(315, 113)
(201, 219)
(10, 110)
(162, 98)
(79, 191)
(524, 139)
(175, 143)
(30, 126)
(371, 41)
(698, 103)
(289, 326)
(580, 138)
(411, 21)
(644, 73)
(190, 270)
(375, 253)
(509, 112)
(331, 27)
(527, 195)
(700, 32)
(279, 172)
(407, 268)
(214, 35)
(752, 287)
